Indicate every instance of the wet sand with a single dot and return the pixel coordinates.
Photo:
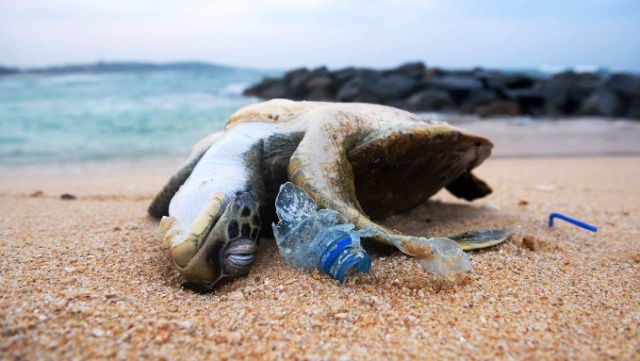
(86, 278)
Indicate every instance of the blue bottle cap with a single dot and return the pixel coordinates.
(343, 254)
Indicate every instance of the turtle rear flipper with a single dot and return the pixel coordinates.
(481, 239)
(469, 187)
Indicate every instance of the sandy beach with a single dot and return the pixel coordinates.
(86, 278)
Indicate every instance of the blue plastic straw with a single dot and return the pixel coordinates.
(572, 221)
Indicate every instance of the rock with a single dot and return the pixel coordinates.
(603, 102)
(296, 81)
(321, 81)
(565, 92)
(633, 109)
(269, 88)
(392, 87)
(502, 82)
(430, 100)
(454, 82)
(320, 87)
(624, 84)
(341, 77)
(410, 70)
(320, 94)
(356, 87)
(627, 88)
(373, 85)
(530, 243)
(478, 98)
(528, 100)
(457, 86)
(485, 92)
(67, 196)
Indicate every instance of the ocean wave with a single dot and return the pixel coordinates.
(84, 117)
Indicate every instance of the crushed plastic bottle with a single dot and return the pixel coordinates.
(308, 238)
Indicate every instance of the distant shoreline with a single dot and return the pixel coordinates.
(124, 66)
(111, 67)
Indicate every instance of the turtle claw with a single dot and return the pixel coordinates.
(481, 239)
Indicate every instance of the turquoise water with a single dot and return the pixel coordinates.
(100, 116)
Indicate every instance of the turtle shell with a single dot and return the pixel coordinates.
(393, 169)
(397, 172)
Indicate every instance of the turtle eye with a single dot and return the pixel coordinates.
(239, 256)
(241, 259)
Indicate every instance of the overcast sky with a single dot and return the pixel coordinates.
(281, 34)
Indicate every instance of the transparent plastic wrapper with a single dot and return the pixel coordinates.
(449, 260)
(308, 238)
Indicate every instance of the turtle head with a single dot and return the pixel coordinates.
(221, 243)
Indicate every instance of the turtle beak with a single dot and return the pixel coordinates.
(205, 267)
(224, 250)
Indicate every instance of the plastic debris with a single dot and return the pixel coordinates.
(572, 221)
(448, 261)
(308, 238)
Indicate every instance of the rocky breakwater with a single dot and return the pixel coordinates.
(417, 88)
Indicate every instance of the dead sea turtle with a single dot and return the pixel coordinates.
(364, 161)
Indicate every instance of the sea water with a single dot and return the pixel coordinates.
(70, 118)
(66, 118)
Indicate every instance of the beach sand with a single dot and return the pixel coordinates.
(86, 278)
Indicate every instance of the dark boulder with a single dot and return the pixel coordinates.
(296, 81)
(627, 87)
(430, 100)
(624, 84)
(458, 86)
(269, 88)
(392, 86)
(343, 76)
(603, 102)
(633, 109)
(478, 98)
(358, 86)
(411, 70)
(529, 101)
(415, 87)
(566, 92)
(320, 88)
(455, 82)
(319, 85)
(372, 85)
(499, 81)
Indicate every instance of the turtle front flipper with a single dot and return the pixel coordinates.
(159, 207)
(320, 167)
